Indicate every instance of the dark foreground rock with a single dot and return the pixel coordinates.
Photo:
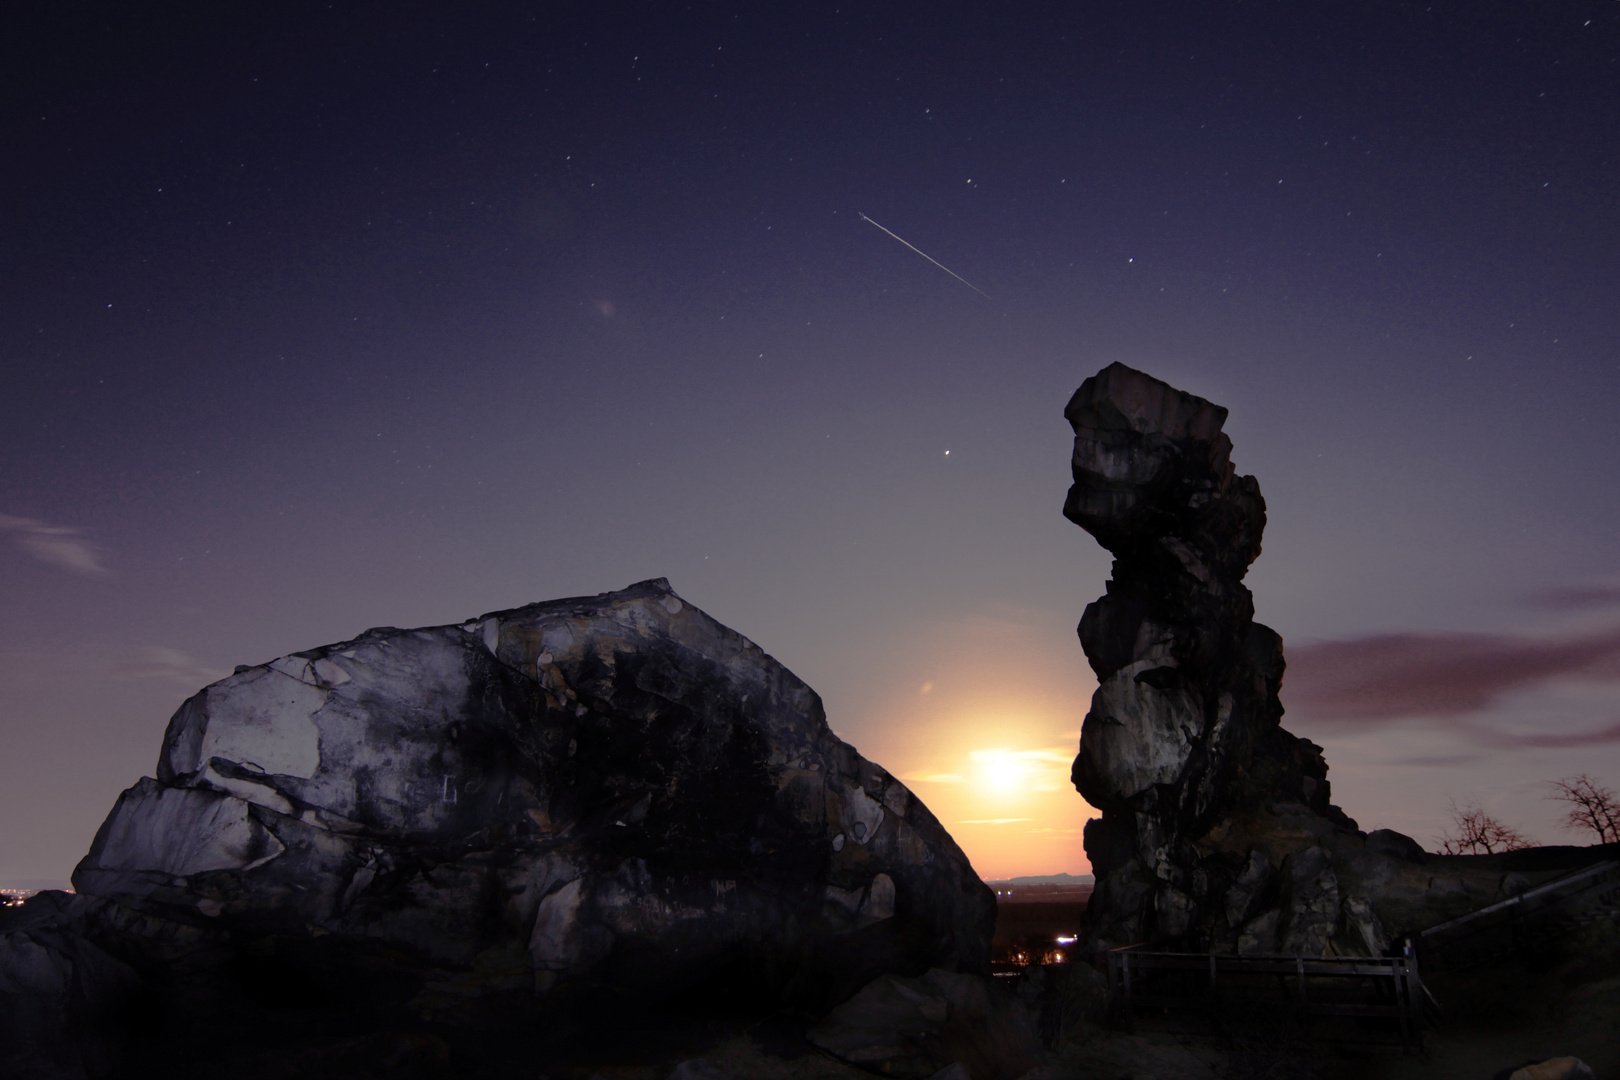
(1217, 829)
(914, 1029)
(522, 824)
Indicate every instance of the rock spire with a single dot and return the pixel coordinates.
(1183, 731)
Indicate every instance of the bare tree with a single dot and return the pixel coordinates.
(1475, 832)
(1591, 807)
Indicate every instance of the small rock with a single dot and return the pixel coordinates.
(914, 1029)
(1390, 842)
(892, 1026)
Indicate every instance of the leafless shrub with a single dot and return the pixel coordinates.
(1592, 807)
(1475, 832)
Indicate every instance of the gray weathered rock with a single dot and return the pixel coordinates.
(604, 799)
(1258, 937)
(1063, 999)
(1217, 831)
(1310, 905)
(1183, 728)
(1241, 896)
(60, 994)
(1362, 918)
(892, 1026)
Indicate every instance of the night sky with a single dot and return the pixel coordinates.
(316, 318)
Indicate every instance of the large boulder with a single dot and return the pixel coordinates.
(573, 804)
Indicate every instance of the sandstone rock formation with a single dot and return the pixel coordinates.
(1216, 831)
(575, 803)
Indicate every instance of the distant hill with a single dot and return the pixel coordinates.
(34, 885)
(1046, 879)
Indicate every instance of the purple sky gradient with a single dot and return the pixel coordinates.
(315, 318)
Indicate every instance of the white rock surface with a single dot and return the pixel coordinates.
(1138, 735)
(175, 832)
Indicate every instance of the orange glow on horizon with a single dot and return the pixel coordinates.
(987, 745)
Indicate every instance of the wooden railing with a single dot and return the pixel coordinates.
(1529, 921)
(1366, 988)
(1284, 987)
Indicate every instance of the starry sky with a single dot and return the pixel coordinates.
(318, 317)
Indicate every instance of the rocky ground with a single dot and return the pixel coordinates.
(1517, 1013)
(1496, 1020)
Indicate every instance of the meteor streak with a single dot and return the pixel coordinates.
(930, 258)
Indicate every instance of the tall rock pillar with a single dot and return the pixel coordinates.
(1183, 731)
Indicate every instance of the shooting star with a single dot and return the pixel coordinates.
(930, 258)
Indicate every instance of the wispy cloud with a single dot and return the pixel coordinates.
(995, 821)
(1605, 736)
(1576, 597)
(1389, 676)
(1047, 755)
(933, 778)
(55, 545)
(1435, 761)
(1044, 769)
(170, 665)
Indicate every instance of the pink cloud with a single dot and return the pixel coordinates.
(1574, 740)
(1433, 761)
(1388, 676)
(1576, 597)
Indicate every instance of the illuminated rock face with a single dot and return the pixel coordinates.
(612, 795)
(1183, 733)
